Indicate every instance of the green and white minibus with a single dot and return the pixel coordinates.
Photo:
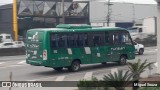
(69, 45)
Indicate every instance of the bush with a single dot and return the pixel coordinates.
(89, 84)
(149, 88)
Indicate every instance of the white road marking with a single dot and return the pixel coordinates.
(60, 78)
(2, 62)
(42, 78)
(21, 62)
(31, 80)
(88, 75)
(10, 66)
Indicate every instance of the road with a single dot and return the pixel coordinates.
(24, 72)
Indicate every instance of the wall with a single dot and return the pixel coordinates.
(121, 12)
(12, 51)
(149, 24)
(158, 37)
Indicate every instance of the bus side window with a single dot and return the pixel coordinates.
(85, 39)
(97, 39)
(126, 38)
(80, 40)
(113, 38)
(107, 40)
(71, 40)
(116, 38)
(123, 38)
(53, 40)
(62, 41)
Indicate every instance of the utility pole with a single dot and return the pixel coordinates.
(15, 22)
(133, 13)
(63, 14)
(158, 36)
(108, 13)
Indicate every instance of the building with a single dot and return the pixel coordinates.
(49, 13)
(120, 12)
(43, 14)
(158, 36)
(6, 20)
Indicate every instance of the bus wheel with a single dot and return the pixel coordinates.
(122, 60)
(75, 66)
(58, 68)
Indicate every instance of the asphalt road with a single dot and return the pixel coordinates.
(24, 72)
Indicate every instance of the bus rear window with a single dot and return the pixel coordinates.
(33, 36)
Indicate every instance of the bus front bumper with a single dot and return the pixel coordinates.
(34, 63)
(37, 63)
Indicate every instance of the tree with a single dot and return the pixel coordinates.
(138, 68)
(93, 84)
(119, 80)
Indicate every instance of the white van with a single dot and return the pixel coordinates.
(137, 32)
(5, 38)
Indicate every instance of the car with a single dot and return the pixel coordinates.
(8, 45)
(20, 43)
(5, 38)
(139, 48)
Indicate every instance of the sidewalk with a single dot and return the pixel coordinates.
(8, 58)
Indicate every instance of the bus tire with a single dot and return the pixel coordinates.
(75, 66)
(122, 60)
(58, 68)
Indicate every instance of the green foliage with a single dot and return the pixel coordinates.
(150, 88)
(118, 80)
(138, 68)
(89, 84)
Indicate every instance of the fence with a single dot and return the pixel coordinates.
(12, 51)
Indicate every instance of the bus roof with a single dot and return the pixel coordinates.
(77, 28)
(73, 26)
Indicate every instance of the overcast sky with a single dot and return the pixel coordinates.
(130, 1)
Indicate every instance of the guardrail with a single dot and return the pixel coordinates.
(12, 51)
